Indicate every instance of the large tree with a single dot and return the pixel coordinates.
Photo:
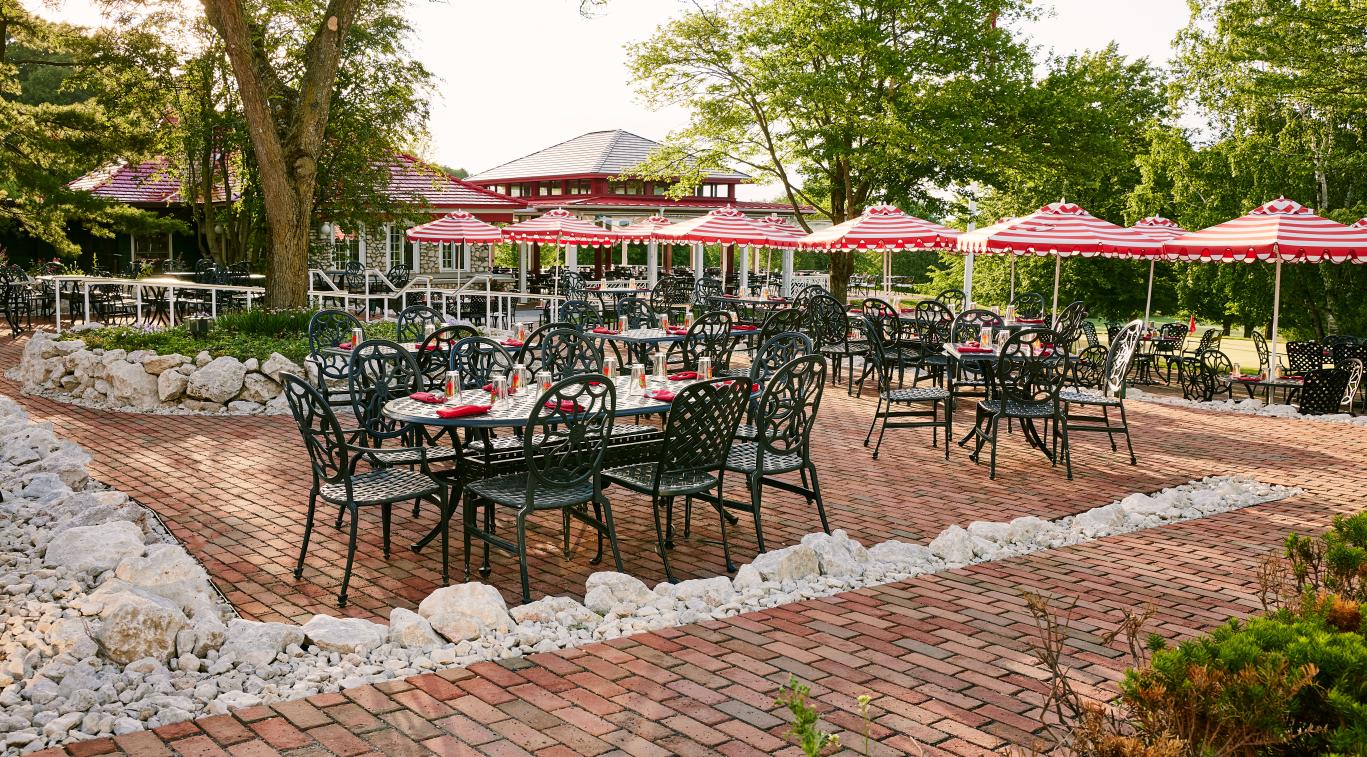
(841, 104)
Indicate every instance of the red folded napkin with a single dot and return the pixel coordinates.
(907, 310)
(684, 376)
(778, 299)
(430, 398)
(1029, 320)
(676, 331)
(972, 348)
(1046, 352)
(746, 327)
(606, 330)
(663, 395)
(345, 346)
(460, 411)
(729, 296)
(565, 406)
(1248, 378)
(429, 347)
(510, 343)
(753, 387)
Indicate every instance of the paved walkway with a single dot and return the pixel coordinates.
(944, 656)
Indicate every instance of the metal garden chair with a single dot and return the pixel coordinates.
(1114, 369)
(889, 400)
(1029, 378)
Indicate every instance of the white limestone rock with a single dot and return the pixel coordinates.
(904, 555)
(258, 388)
(409, 629)
(1099, 520)
(344, 635)
(158, 364)
(245, 408)
(168, 571)
(747, 577)
(277, 364)
(72, 635)
(95, 549)
(171, 385)
(793, 563)
(606, 591)
(133, 386)
(565, 611)
(217, 381)
(837, 554)
(258, 643)
(954, 545)
(452, 610)
(138, 624)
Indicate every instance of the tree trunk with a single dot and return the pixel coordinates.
(842, 265)
(287, 265)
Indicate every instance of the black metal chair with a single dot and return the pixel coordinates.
(529, 354)
(830, 326)
(806, 294)
(1068, 323)
(1029, 378)
(1304, 357)
(478, 359)
(708, 337)
(1088, 371)
(933, 321)
(1204, 377)
(1171, 343)
(1354, 367)
(336, 480)
(697, 437)
(776, 352)
(326, 330)
(707, 291)
(570, 352)
(972, 379)
(1089, 333)
(637, 312)
(434, 354)
(581, 313)
(1323, 391)
(413, 321)
(670, 297)
(781, 321)
(890, 399)
(782, 445)
(954, 299)
(1029, 306)
(563, 448)
(1111, 381)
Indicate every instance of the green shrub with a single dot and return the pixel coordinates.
(243, 335)
(1291, 682)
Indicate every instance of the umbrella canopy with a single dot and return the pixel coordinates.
(1159, 228)
(721, 226)
(559, 226)
(782, 233)
(1281, 230)
(645, 230)
(1360, 223)
(1059, 228)
(881, 227)
(459, 226)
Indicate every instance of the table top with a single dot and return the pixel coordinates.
(408, 346)
(1284, 381)
(616, 290)
(518, 408)
(958, 352)
(774, 301)
(656, 336)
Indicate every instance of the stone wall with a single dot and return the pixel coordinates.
(143, 381)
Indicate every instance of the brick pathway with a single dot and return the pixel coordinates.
(944, 656)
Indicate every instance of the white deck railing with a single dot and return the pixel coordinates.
(168, 286)
(500, 307)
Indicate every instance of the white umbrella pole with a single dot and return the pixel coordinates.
(744, 269)
(1148, 299)
(1276, 308)
(698, 259)
(887, 272)
(968, 281)
(1053, 314)
(652, 263)
(1012, 296)
(787, 273)
(624, 254)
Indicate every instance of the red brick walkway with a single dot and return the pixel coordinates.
(944, 656)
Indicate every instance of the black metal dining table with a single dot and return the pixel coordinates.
(987, 358)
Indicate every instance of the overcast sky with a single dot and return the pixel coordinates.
(518, 76)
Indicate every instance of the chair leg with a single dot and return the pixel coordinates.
(876, 411)
(816, 497)
(669, 518)
(445, 536)
(725, 542)
(308, 530)
(612, 532)
(484, 569)
(1128, 444)
(416, 505)
(756, 485)
(879, 446)
(1106, 418)
(660, 541)
(992, 427)
(949, 425)
(565, 533)
(467, 519)
(598, 515)
(385, 511)
(350, 556)
(522, 555)
(1067, 452)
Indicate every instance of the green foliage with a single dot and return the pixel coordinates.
(245, 334)
(805, 729)
(1289, 680)
(1335, 562)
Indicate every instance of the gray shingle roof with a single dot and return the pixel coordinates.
(598, 152)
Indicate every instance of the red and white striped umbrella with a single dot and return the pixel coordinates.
(645, 230)
(1281, 230)
(1360, 223)
(559, 226)
(783, 235)
(881, 227)
(1159, 228)
(459, 226)
(721, 226)
(1063, 229)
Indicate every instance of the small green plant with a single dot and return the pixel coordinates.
(810, 738)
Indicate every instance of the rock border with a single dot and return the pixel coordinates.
(1246, 407)
(143, 381)
(111, 627)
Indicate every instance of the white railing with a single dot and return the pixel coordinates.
(500, 307)
(168, 286)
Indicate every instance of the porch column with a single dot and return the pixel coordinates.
(521, 266)
(652, 266)
(744, 271)
(698, 259)
(572, 258)
(787, 273)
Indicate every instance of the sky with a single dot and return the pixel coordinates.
(514, 77)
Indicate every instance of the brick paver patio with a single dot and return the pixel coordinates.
(944, 656)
